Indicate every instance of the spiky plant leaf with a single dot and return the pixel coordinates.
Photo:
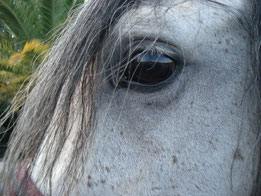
(6, 48)
(55, 12)
(19, 66)
(21, 17)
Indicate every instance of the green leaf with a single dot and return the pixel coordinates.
(21, 17)
(11, 19)
(55, 12)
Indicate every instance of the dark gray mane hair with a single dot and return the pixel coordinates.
(73, 63)
(255, 34)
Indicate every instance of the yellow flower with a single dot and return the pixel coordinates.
(33, 46)
(15, 58)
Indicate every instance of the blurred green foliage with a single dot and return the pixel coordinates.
(25, 30)
(34, 19)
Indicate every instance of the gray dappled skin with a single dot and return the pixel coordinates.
(196, 135)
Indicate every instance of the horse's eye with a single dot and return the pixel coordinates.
(148, 69)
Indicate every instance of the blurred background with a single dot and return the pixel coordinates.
(27, 29)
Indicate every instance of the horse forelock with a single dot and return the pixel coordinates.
(71, 60)
(73, 63)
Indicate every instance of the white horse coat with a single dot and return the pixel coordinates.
(195, 135)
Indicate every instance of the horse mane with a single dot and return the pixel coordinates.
(256, 54)
(72, 59)
(73, 63)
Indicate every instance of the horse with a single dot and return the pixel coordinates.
(143, 97)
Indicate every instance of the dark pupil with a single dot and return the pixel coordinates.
(150, 68)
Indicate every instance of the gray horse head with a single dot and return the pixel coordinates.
(143, 97)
